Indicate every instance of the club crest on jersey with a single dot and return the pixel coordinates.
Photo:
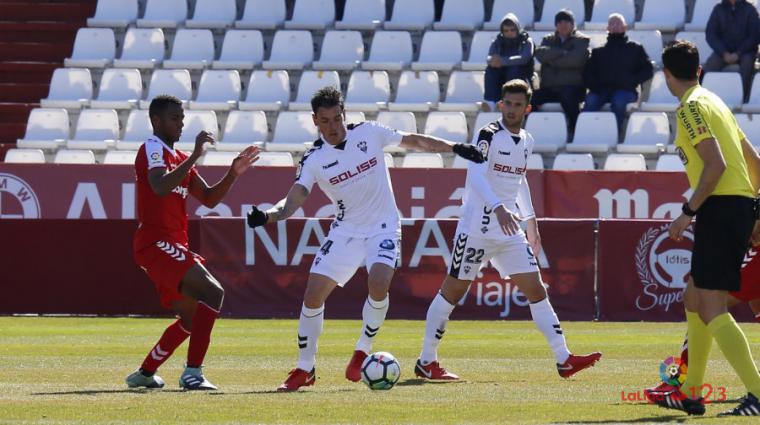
(467, 269)
(362, 146)
(387, 244)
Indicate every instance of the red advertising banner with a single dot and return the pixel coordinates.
(643, 273)
(264, 271)
(108, 192)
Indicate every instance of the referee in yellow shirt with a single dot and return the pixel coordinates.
(723, 171)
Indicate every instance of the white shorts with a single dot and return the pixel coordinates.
(511, 255)
(340, 256)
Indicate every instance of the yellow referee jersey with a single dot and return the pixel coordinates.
(703, 115)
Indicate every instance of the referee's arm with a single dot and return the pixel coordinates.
(753, 164)
(710, 153)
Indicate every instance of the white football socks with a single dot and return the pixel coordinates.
(547, 322)
(373, 316)
(309, 328)
(435, 325)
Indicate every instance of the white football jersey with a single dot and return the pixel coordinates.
(354, 176)
(503, 175)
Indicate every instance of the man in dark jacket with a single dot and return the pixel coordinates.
(509, 57)
(732, 32)
(563, 56)
(615, 70)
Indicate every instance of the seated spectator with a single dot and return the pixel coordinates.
(563, 56)
(732, 32)
(509, 57)
(615, 70)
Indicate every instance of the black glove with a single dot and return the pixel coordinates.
(468, 152)
(256, 217)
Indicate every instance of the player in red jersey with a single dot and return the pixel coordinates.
(165, 177)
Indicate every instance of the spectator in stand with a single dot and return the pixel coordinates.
(563, 57)
(732, 32)
(509, 57)
(615, 70)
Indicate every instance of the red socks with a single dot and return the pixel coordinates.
(685, 352)
(173, 336)
(200, 337)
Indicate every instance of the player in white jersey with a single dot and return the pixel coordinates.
(347, 163)
(496, 199)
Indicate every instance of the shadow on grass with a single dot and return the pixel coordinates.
(123, 391)
(419, 381)
(321, 391)
(646, 419)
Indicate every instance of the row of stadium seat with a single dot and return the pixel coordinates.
(595, 132)
(413, 15)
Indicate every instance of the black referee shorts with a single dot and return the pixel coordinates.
(721, 238)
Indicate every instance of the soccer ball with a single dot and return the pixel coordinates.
(380, 371)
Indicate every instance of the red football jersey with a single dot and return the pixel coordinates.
(161, 218)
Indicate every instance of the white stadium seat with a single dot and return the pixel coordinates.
(461, 15)
(267, 91)
(79, 156)
(417, 91)
(291, 50)
(164, 14)
(241, 50)
(700, 40)
(550, 9)
(195, 122)
(243, 128)
(218, 158)
(440, 51)
(411, 15)
(355, 117)
(193, 49)
(119, 89)
(362, 15)
(451, 126)
(275, 159)
(390, 50)
(481, 42)
(120, 157)
(143, 48)
(602, 10)
(727, 84)
(262, 15)
(597, 38)
(483, 119)
(97, 129)
(464, 92)
(535, 162)
(312, 15)
(402, 121)
(389, 160)
(341, 50)
(549, 131)
(174, 82)
(573, 161)
(669, 162)
(523, 9)
(70, 88)
(702, 11)
(594, 132)
(310, 82)
(24, 156)
(625, 162)
(213, 14)
(647, 132)
(114, 14)
(93, 48)
(368, 91)
(660, 99)
(422, 160)
(651, 40)
(668, 16)
(753, 104)
(136, 131)
(219, 90)
(292, 131)
(750, 127)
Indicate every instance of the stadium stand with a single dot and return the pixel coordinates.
(242, 50)
(262, 15)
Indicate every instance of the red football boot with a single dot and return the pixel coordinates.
(575, 364)
(434, 372)
(354, 368)
(663, 388)
(296, 379)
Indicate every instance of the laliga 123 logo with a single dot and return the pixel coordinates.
(673, 371)
(663, 266)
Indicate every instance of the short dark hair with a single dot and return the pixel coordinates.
(161, 103)
(517, 86)
(326, 97)
(681, 58)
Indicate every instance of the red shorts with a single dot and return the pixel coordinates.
(166, 264)
(750, 288)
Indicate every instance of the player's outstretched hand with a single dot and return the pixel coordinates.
(200, 140)
(243, 162)
(256, 217)
(468, 152)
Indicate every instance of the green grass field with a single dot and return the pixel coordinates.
(71, 371)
